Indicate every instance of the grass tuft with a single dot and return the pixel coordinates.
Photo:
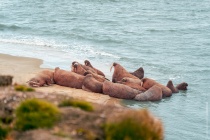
(34, 113)
(6, 119)
(3, 132)
(24, 88)
(77, 103)
(134, 125)
(87, 134)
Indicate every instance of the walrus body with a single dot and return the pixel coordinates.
(170, 85)
(120, 73)
(99, 78)
(152, 94)
(43, 78)
(182, 86)
(87, 63)
(148, 83)
(68, 79)
(138, 73)
(119, 90)
(91, 84)
(133, 83)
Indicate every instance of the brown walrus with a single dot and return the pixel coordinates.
(81, 68)
(119, 90)
(138, 73)
(77, 68)
(171, 86)
(152, 94)
(120, 73)
(87, 63)
(43, 78)
(91, 84)
(68, 78)
(182, 86)
(133, 83)
(148, 83)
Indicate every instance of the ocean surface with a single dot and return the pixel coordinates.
(170, 39)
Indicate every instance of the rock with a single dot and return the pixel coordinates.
(5, 80)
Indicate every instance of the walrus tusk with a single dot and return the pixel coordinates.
(111, 68)
(107, 79)
(141, 83)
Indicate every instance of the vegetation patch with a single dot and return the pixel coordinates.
(134, 125)
(6, 119)
(77, 103)
(34, 113)
(3, 132)
(87, 134)
(24, 88)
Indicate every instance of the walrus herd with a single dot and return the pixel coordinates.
(124, 84)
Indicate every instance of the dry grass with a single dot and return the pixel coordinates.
(134, 125)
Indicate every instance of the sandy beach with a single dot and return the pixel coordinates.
(24, 68)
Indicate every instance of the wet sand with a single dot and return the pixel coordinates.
(24, 68)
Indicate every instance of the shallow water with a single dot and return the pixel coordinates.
(169, 39)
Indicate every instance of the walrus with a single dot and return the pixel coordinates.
(148, 83)
(120, 73)
(77, 68)
(152, 94)
(80, 66)
(68, 78)
(119, 90)
(43, 78)
(138, 73)
(170, 85)
(91, 84)
(87, 63)
(182, 86)
(133, 83)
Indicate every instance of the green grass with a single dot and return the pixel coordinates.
(3, 132)
(24, 88)
(137, 125)
(87, 134)
(77, 103)
(34, 113)
(6, 120)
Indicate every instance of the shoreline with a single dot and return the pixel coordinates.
(24, 68)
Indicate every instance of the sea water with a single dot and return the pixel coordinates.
(170, 39)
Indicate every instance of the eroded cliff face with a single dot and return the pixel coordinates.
(74, 123)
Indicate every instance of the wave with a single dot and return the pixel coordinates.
(25, 41)
(77, 49)
(9, 27)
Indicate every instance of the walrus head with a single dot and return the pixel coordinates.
(113, 65)
(74, 66)
(182, 86)
(87, 63)
(78, 68)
